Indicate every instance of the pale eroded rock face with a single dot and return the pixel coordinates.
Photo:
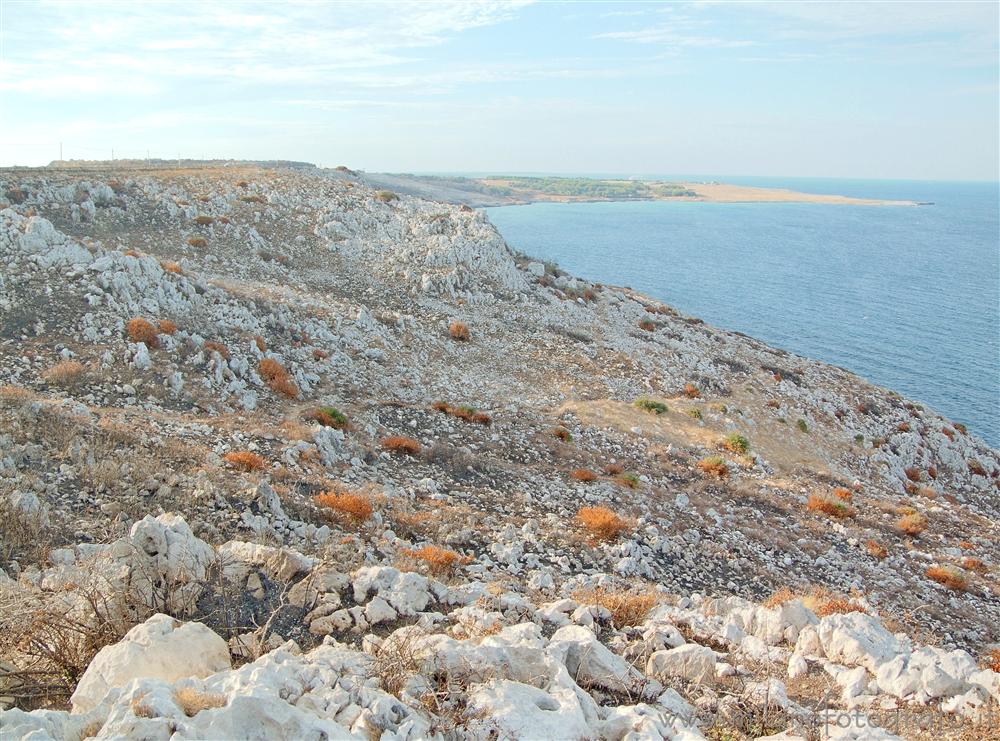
(160, 648)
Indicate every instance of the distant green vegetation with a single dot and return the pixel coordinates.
(590, 188)
(503, 185)
(651, 405)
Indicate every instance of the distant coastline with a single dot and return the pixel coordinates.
(515, 190)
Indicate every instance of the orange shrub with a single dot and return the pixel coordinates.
(277, 378)
(166, 326)
(355, 506)
(647, 325)
(142, 330)
(876, 549)
(691, 391)
(842, 492)
(613, 469)
(973, 564)
(831, 506)
(582, 474)
(401, 445)
(259, 341)
(601, 523)
(993, 660)
(244, 460)
(562, 433)
(714, 466)
(947, 576)
(912, 524)
(459, 331)
(211, 346)
(172, 267)
(439, 561)
(197, 241)
(966, 545)
(824, 602)
(913, 474)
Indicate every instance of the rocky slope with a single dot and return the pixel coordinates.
(388, 478)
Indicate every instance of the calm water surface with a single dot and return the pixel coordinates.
(908, 297)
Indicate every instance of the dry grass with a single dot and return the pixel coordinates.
(562, 433)
(197, 241)
(277, 378)
(583, 474)
(820, 600)
(259, 341)
(401, 445)
(211, 346)
(627, 607)
(976, 468)
(203, 220)
(948, 576)
(876, 549)
(602, 523)
(142, 330)
(438, 561)
(974, 564)
(171, 267)
(614, 469)
(64, 373)
(713, 465)
(628, 480)
(832, 506)
(912, 524)
(244, 460)
(459, 331)
(166, 326)
(193, 701)
(357, 507)
(691, 391)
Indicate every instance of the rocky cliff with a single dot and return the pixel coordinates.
(283, 452)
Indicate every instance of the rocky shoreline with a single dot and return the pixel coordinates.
(364, 471)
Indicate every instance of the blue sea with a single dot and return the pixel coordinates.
(907, 297)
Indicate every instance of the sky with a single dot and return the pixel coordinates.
(865, 90)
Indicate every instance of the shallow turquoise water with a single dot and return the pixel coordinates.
(906, 297)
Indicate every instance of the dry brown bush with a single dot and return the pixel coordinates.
(170, 266)
(948, 576)
(832, 506)
(244, 460)
(197, 241)
(193, 701)
(602, 523)
(64, 373)
(167, 326)
(142, 330)
(583, 474)
(277, 378)
(356, 507)
(459, 331)
(438, 561)
(912, 524)
(691, 391)
(203, 220)
(714, 466)
(627, 607)
(401, 445)
(211, 346)
(876, 549)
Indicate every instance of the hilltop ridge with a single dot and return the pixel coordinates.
(417, 484)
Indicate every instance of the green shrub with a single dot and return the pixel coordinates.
(386, 196)
(694, 413)
(801, 424)
(736, 443)
(651, 405)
